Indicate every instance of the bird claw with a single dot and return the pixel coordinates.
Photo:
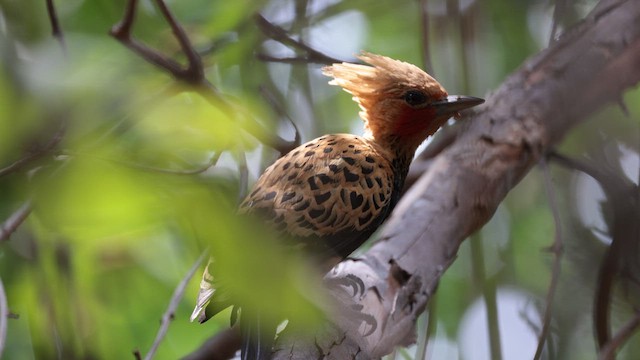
(351, 281)
(355, 313)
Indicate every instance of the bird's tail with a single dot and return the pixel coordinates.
(207, 305)
(257, 336)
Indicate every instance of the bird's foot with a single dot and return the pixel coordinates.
(348, 281)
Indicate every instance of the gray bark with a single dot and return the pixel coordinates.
(462, 185)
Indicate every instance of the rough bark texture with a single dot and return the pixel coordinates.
(461, 188)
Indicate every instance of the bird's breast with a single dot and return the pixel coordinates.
(332, 192)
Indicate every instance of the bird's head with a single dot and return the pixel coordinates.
(401, 104)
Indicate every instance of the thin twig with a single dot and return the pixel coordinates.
(557, 249)
(194, 69)
(581, 166)
(489, 294)
(4, 312)
(558, 13)
(279, 109)
(622, 231)
(424, 22)
(56, 30)
(223, 345)
(213, 160)
(279, 34)
(13, 222)
(169, 314)
(609, 350)
(305, 59)
(193, 74)
(37, 153)
(243, 170)
(431, 324)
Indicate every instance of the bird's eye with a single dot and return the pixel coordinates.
(415, 97)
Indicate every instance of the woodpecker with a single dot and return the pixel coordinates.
(331, 193)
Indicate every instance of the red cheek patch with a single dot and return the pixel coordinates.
(412, 122)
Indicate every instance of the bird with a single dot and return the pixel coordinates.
(330, 194)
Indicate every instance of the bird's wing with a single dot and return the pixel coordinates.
(333, 186)
(327, 195)
(205, 308)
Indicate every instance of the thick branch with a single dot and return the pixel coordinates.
(534, 108)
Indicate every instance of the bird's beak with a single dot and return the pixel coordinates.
(454, 103)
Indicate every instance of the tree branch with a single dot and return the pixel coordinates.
(193, 74)
(4, 315)
(534, 108)
(556, 249)
(37, 152)
(169, 314)
(222, 346)
(623, 230)
(56, 30)
(279, 34)
(16, 219)
(608, 352)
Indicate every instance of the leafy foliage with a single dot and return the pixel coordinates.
(92, 269)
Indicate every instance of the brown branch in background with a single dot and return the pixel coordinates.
(608, 352)
(279, 34)
(193, 74)
(556, 249)
(16, 219)
(213, 160)
(36, 153)
(558, 13)
(623, 230)
(280, 111)
(56, 30)
(194, 70)
(137, 355)
(4, 313)
(221, 346)
(608, 266)
(169, 314)
(243, 183)
(424, 22)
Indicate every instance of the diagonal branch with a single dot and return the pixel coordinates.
(4, 315)
(36, 153)
(14, 221)
(459, 192)
(556, 249)
(56, 29)
(608, 352)
(193, 74)
(279, 34)
(623, 231)
(169, 314)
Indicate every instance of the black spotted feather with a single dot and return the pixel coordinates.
(327, 194)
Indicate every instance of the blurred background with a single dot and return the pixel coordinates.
(123, 176)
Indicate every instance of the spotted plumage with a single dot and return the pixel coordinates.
(329, 195)
(337, 188)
